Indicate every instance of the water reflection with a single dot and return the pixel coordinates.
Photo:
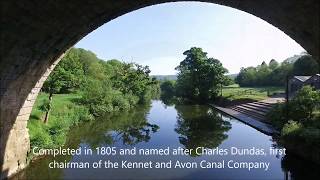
(168, 100)
(199, 126)
(129, 128)
(190, 126)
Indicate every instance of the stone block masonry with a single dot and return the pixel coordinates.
(34, 35)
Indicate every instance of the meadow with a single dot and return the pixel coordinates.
(235, 92)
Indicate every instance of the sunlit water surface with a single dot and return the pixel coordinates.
(162, 126)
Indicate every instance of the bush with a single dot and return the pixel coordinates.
(302, 133)
(277, 116)
(292, 127)
(41, 140)
(168, 88)
(302, 108)
(65, 113)
(304, 104)
(119, 102)
(39, 136)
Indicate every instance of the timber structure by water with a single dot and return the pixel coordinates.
(252, 114)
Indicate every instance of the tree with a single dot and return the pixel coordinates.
(117, 86)
(132, 78)
(305, 66)
(167, 88)
(66, 76)
(247, 76)
(305, 103)
(303, 108)
(266, 75)
(273, 64)
(199, 77)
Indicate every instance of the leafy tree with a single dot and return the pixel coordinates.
(305, 103)
(168, 88)
(302, 108)
(199, 77)
(52, 85)
(275, 74)
(117, 86)
(66, 76)
(247, 76)
(105, 86)
(132, 78)
(227, 81)
(263, 72)
(273, 64)
(46, 107)
(305, 66)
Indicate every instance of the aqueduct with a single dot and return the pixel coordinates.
(34, 34)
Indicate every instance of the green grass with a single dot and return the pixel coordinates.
(64, 114)
(60, 103)
(234, 92)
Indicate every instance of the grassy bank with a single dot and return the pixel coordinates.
(234, 95)
(64, 114)
(234, 92)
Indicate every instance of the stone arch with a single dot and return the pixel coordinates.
(34, 35)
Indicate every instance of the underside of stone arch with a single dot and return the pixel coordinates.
(34, 34)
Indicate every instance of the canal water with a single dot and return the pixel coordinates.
(160, 126)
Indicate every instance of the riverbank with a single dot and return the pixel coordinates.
(297, 146)
(65, 113)
(185, 126)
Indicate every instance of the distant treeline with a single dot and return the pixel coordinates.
(274, 73)
(165, 77)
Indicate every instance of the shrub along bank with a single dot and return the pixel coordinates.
(300, 126)
(83, 87)
(64, 114)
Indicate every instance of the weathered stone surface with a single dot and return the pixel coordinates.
(34, 34)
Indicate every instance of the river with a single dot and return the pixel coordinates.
(160, 126)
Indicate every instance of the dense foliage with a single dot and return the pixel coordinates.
(302, 108)
(199, 78)
(274, 74)
(168, 89)
(299, 121)
(120, 86)
(82, 87)
(67, 75)
(106, 85)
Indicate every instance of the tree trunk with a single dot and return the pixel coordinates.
(47, 113)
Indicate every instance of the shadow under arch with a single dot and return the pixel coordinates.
(35, 35)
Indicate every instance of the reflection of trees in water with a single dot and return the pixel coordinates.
(132, 135)
(199, 126)
(297, 168)
(167, 100)
(129, 127)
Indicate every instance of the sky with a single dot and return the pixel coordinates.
(158, 35)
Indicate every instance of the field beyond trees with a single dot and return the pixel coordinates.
(235, 92)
